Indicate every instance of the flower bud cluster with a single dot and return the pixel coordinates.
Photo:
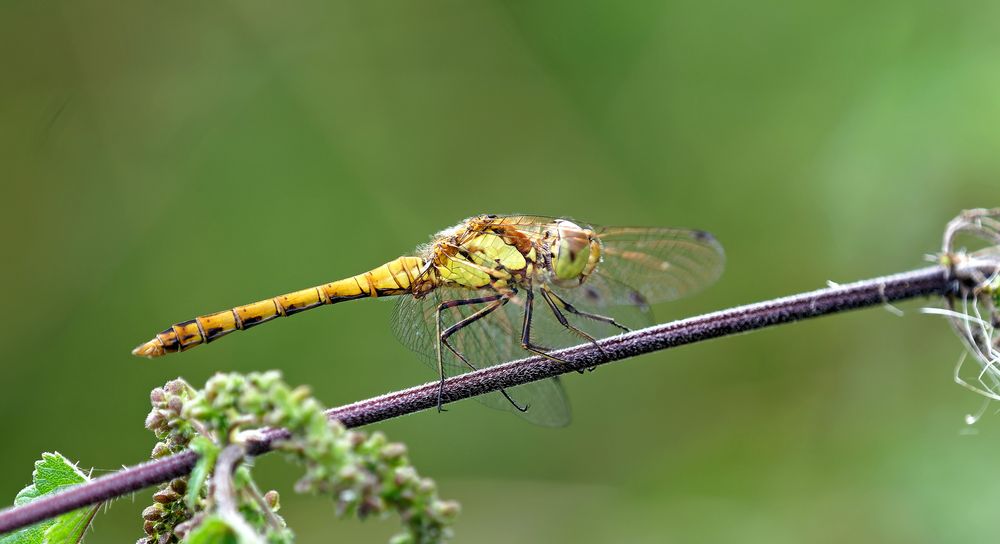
(166, 512)
(366, 475)
(166, 420)
(174, 432)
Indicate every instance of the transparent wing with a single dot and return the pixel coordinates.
(592, 316)
(659, 263)
(490, 341)
(534, 226)
(601, 291)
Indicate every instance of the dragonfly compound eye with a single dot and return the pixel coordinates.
(571, 250)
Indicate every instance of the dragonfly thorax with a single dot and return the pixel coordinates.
(488, 251)
(476, 258)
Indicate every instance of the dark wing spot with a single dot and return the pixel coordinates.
(636, 298)
(704, 236)
(591, 294)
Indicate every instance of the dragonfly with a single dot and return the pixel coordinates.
(496, 287)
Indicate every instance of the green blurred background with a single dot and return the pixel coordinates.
(162, 160)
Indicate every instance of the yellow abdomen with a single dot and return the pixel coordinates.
(393, 278)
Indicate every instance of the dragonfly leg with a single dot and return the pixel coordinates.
(596, 317)
(548, 296)
(526, 343)
(495, 302)
(441, 338)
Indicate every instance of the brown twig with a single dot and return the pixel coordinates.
(936, 280)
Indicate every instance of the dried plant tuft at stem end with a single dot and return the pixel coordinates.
(974, 307)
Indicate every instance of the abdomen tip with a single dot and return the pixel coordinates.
(150, 349)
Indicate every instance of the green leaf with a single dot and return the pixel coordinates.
(213, 530)
(52, 474)
(207, 452)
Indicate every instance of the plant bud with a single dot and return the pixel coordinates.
(447, 509)
(155, 420)
(160, 450)
(267, 379)
(405, 475)
(179, 485)
(356, 439)
(300, 393)
(393, 450)
(197, 411)
(273, 500)
(153, 513)
(166, 496)
(175, 387)
(349, 474)
(426, 486)
(149, 527)
(377, 440)
(156, 396)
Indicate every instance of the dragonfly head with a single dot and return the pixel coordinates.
(571, 250)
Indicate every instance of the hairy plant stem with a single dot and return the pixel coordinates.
(272, 518)
(224, 493)
(930, 281)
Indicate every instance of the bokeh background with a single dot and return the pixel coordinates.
(162, 160)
